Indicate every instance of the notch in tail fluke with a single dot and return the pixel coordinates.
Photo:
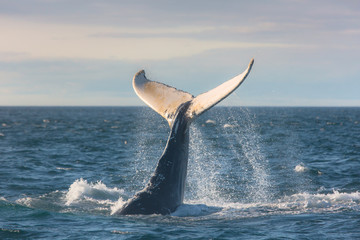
(165, 100)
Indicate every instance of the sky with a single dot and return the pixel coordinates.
(85, 52)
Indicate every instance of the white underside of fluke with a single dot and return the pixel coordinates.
(165, 100)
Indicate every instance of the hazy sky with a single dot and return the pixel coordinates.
(53, 52)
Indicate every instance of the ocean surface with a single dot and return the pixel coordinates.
(254, 173)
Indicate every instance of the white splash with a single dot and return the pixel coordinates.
(194, 210)
(202, 169)
(299, 203)
(227, 125)
(320, 202)
(81, 189)
(300, 168)
(117, 205)
(245, 134)
(97, 198)
(209, 121)
(64, 168)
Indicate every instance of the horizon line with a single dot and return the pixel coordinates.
(248, 106)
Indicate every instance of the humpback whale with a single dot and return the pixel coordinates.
(165, 189)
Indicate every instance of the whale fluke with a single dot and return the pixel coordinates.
(166, 100)
(205, 101)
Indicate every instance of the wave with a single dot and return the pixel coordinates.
(82, 190)
(97, 198)
(227, 125)
(82, 196)
(210, 121)
(300, 168)
(299, 203)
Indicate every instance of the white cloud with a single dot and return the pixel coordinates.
(7, 76)
(53, 54)
(22, 40)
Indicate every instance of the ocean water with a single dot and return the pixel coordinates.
(254, 173)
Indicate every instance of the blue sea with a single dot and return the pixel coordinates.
(254, 173)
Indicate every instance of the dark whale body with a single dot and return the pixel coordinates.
(165, 190)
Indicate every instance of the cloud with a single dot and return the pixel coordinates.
(132, 31)
(66, 83)
(22, 40)
(306, 52)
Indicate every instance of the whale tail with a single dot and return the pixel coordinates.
(165, 100)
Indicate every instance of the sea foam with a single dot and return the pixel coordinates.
(288, 205)
(81, 189)
(97, 198)
(300, 168)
